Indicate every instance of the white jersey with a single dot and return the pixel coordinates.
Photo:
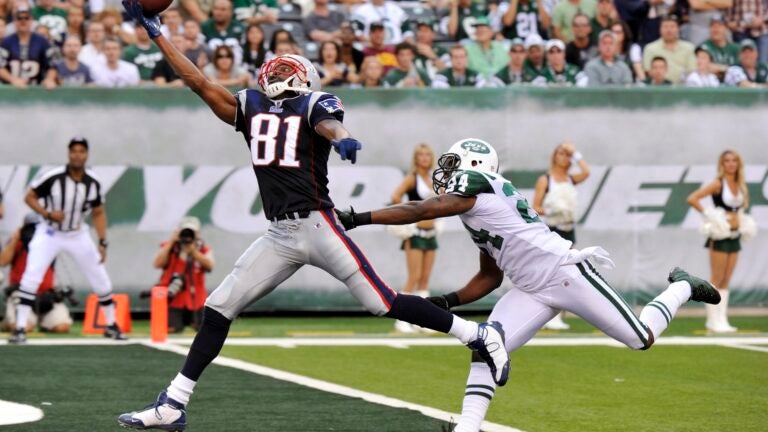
(504, 226)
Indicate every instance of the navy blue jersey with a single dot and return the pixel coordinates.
(289, 158)
(30, 61)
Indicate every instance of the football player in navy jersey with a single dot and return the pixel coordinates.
(25, 57)
(290, 128)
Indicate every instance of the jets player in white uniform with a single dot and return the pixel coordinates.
(548, 276)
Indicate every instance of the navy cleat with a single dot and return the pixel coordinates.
(113, 332)
(18, 337)
(489, 345)
(701, 290)
(164, 414)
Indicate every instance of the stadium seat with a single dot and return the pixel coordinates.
(289, 13)
(311, 50)
(295, 28)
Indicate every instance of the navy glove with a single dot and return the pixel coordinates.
(347, 148)
(136, 12)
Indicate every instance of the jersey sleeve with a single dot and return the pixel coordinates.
(327, 107)
(42, 184)
(239, 121)
(468, 184)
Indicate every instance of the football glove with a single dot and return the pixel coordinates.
(347, 218)
(446, 301)
(347, 148)
(136, 12)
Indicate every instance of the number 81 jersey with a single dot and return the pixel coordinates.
(503, 225)
(289, 158)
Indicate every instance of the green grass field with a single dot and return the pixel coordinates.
(575, 388)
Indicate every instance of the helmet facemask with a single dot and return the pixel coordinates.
(284, 74)
(447, 165)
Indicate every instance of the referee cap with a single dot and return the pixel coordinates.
(78, 140)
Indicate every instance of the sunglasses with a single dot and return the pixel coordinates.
(555, 50)
(23, 18)
(518, 51)
(224, 56)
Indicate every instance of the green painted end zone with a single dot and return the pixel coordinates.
(88, 387)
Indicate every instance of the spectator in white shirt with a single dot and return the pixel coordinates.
(115, 72)
(93, 51)
(388, 13)
(702, 77)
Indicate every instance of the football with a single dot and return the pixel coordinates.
(154, 7)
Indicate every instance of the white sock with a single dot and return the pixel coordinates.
(658, 313)
(181, 389)
(22, 316)
(109, 313)
(477, 398)
(463, 330)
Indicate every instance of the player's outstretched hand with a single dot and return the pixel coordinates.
(151, 24)
(347, 148)
(440, 301)
(347, 218)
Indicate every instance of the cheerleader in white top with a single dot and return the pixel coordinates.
(555, 198)
(725, 226)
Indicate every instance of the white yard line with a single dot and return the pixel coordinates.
(331, 387)
(747, 347)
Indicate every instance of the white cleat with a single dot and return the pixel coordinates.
(491, 348)
(164, 414)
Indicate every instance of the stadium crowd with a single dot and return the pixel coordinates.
(383, 43)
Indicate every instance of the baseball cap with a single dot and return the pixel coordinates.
(21, 9)
(516, 42)
(424, 22)
(78, 140)
(747, 44)
(32, 219)
(532, 40)
(717, 18)
(190, 222)
(606, 33)
(555, 43)
(376, 26)
(481, 21)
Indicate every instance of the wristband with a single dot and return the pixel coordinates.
(362, 218)
(576, 157)
(452, 299)
(103, 243)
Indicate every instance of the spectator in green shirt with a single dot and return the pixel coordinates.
(658, 72)
(463, 16)
(223, 29)
(557, 71)
(457, 75)
(678, 53)
(563, 13)
(514, 72)
(144, 54)
(749, 72)
(724, 53)
(430, 57)
(605, 17)
(406, 74)
(535, 63)
(486, 56)
(45, 13)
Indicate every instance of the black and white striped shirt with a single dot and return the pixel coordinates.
(75, 198)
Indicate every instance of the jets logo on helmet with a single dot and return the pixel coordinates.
(288, 72)
(467, 154)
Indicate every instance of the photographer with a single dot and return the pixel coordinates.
(185, 259)
(49, 305)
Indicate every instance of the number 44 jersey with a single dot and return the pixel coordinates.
(289, 158)
(504, 226)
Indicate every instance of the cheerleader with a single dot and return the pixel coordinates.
(555, 198)
(419, 240)
(725, 226)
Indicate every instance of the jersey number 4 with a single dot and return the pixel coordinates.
(265, 129)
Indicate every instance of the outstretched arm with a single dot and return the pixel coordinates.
(487, 279)
(340, 138)
(221, 101)
(415, 211)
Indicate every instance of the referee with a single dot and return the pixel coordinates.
(68, 195)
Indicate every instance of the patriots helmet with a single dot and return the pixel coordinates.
(467, 154)
(288, 72)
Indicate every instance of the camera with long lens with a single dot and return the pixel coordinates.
(187, 236)
(176, 285)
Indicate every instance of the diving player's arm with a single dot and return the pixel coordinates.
(414, 211)
(487, 279)
(538, 194)
(221, 101)
(704, 191)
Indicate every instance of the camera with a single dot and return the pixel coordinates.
(175, 285)
(187, 236)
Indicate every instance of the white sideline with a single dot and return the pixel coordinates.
(289, 342)
(12, 413)
(331, 387)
